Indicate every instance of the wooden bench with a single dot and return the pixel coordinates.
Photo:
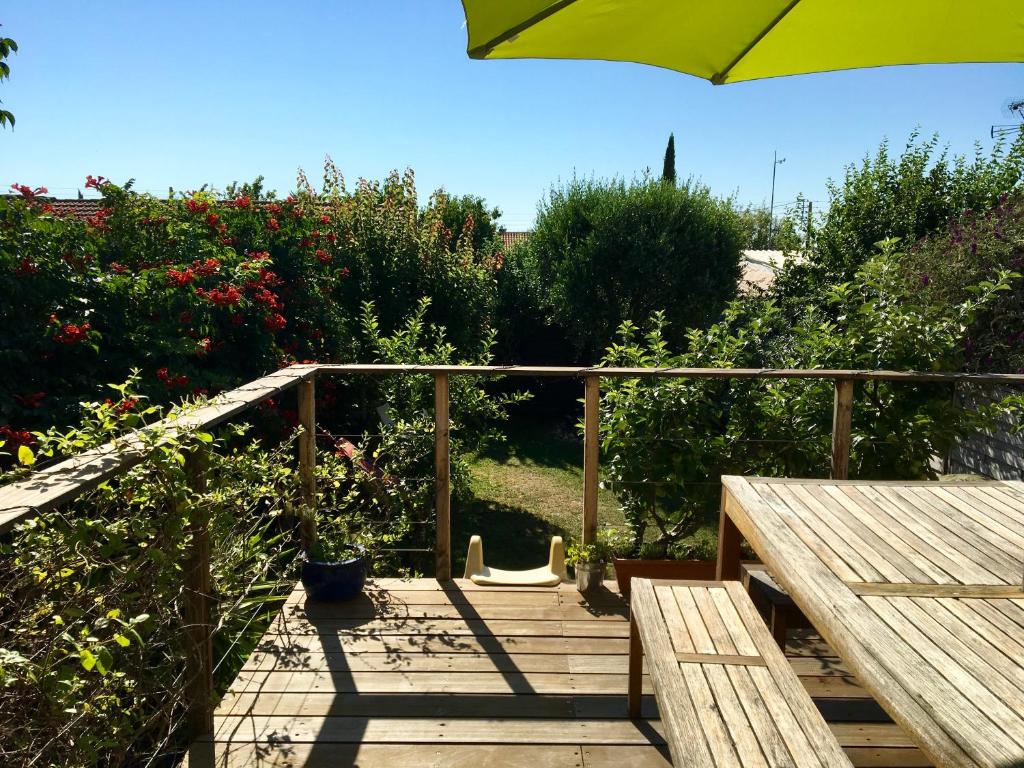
(726, 694)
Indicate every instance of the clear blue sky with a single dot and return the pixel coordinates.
(177, 94)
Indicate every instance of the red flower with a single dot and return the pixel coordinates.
(94, 182)
(27, 192)
(205, 347)
(206, 268)
(323, 256)
(99, 221)
(344, 272)
(331, 237)
(180, 278)
(171, 380)
(243, 201)
(32, 400)
(325, 219)
(273, 225)
(197, 206)
(118, 267)
(274, 322)
(122, 407)
(185, 318)
(26, 267)
(259, 255)
(17, 437)
(223, 296)
(70, 333)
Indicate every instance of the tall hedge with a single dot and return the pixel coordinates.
(204, 291)
(606, 252)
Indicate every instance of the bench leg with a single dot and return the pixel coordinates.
(779, 623)
(636, 678)
(728, 566)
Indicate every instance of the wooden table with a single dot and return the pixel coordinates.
(917, 586)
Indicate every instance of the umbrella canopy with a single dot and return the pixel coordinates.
(726, 41)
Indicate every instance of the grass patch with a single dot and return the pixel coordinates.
(525, 491)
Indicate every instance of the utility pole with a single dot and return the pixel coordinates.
(771, 206)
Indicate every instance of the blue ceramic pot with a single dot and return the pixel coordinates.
(333, 581)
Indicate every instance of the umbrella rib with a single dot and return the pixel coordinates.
(482, 51)
(719, 78)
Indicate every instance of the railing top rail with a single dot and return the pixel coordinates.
(690, 373)
(57, 484)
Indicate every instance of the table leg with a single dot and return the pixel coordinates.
(636, 678)
(728, 567)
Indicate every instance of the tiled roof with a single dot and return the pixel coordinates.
(508, 239)
(80, 208)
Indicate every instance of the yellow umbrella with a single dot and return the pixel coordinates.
(726, 41)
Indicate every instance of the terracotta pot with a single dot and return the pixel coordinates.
(700, 570)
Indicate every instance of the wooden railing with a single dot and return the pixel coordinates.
(50, 487)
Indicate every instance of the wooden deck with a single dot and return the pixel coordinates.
(416, 674)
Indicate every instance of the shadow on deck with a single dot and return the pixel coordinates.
(415, 673)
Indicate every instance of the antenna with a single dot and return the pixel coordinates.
(1011, 108)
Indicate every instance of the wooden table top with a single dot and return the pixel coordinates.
(918, 586)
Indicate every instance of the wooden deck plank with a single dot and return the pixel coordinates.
(375, 690)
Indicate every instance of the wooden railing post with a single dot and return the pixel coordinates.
(842, 416)
(591, 409)
(442, 490)
(196, 609)
(307, 461)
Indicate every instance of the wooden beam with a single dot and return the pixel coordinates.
(820, 374)
(442, 480)
(842, 417)
(307, 460)
(591, 445)
(196, 607)
(48, 488)
(728, 564)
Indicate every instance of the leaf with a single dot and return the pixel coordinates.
(25, 456)
(88, 660)
(121, 640)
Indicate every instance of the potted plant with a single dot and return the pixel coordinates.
(334, 568)
(652, 562)
(589, 562)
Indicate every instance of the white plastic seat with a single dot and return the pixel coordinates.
(550, 575)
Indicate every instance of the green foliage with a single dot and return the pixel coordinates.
(667, 442)
(7, 47)
(204, 292)
(91, 643)
(760, 231)
(904, 197)
(382, 496)
(941, 268)
(606, 252)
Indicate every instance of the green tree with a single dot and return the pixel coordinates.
(7, 46)
(668, 169)
(608, 251)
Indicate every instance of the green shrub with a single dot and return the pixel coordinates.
(668, 441)
(92, 652)
(606, 252)
(204, 292)
(941, 268)
(907, 197)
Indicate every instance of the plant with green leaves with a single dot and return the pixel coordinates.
(667, 442)
(91, 643)
(609, 251)
(7, 47)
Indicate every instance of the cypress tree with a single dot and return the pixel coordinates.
(668, 171)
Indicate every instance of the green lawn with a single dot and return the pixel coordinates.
(525, 491)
